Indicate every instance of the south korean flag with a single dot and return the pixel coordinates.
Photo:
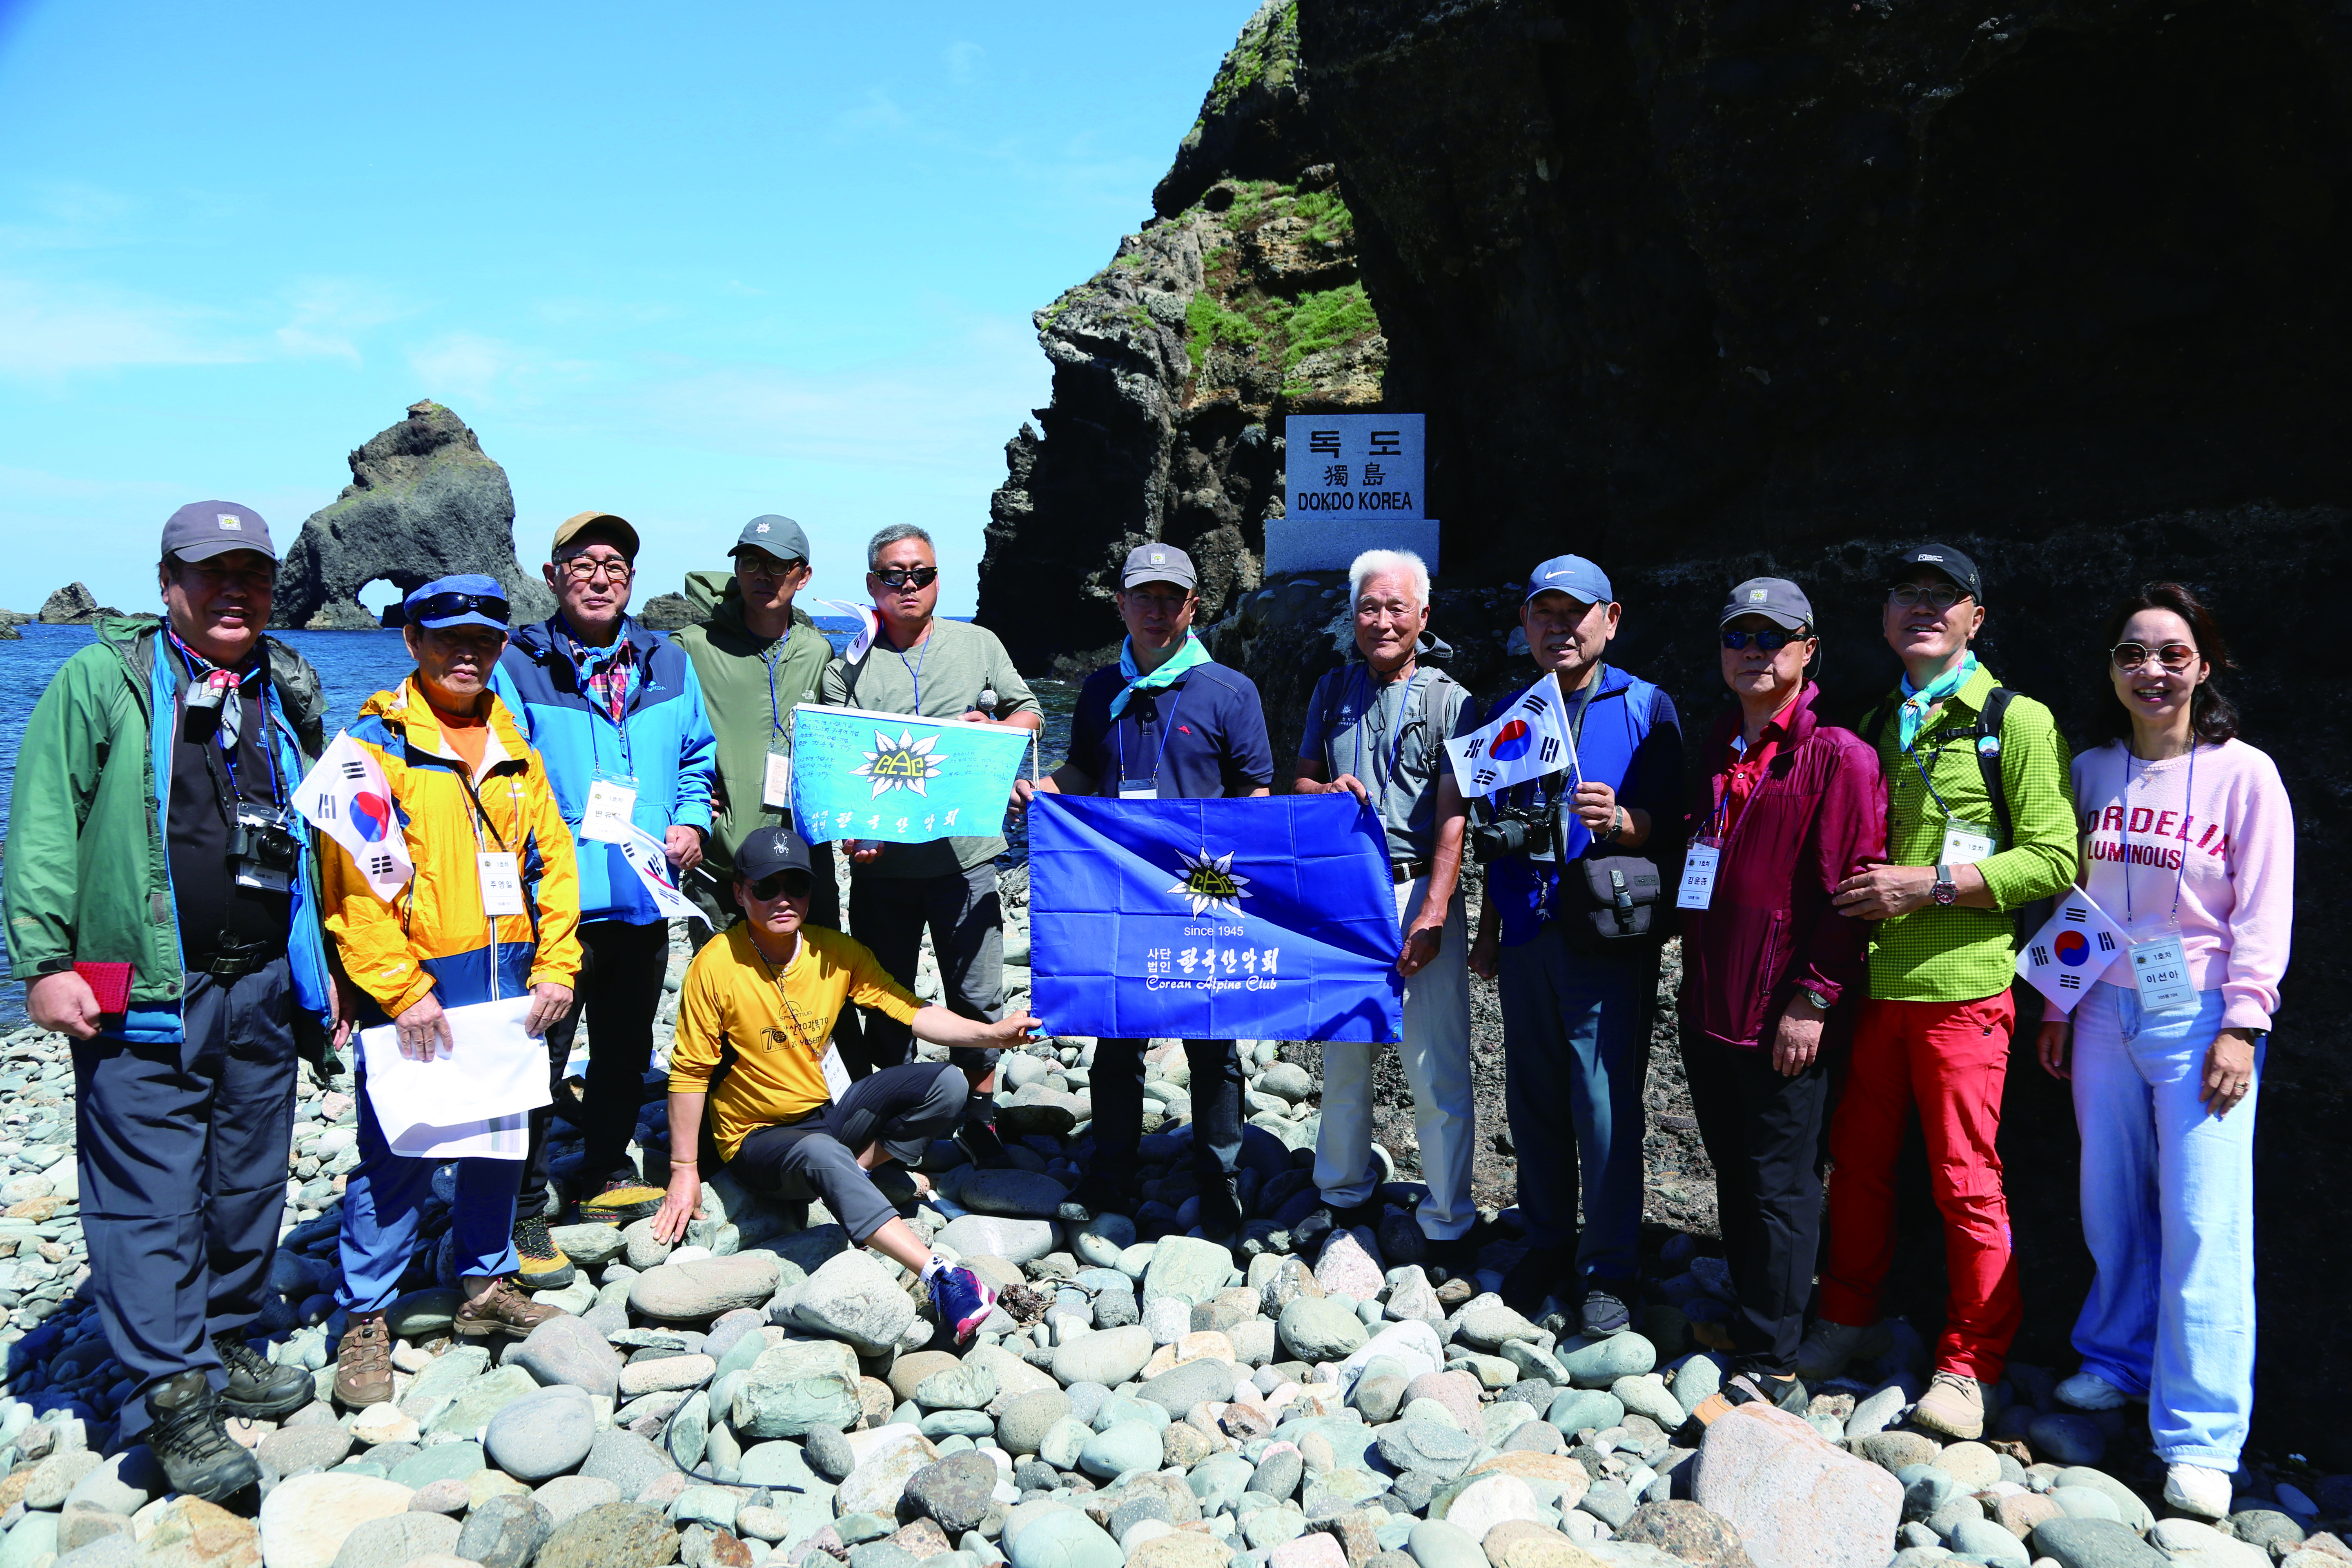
(2072, 950)
(346, 798)
(1529, 738)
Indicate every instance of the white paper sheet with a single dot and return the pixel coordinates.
(477, 1095)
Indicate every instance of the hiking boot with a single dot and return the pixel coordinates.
(1604, 1311)
(1830, 1346)
(962, 1301)
(1456, 1258)
(621, 1202)
(544, 1266)
(1782, 1392)
(194, 1449)
(259, 1389)
(363, 1366)
(2089, 1391)
(1534, 1279)
(1220, 1210)
(2200, 1490)
(501, 1310)
(978, 1139)
(1953, 1404)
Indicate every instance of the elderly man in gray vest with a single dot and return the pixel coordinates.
(1377, 728)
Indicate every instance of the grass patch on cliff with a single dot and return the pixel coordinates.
(1327, 319)
(1208, 321)
(1267, 56)
(1329, 223)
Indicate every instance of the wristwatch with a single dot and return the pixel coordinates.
(1815, 998)
(1945, 892)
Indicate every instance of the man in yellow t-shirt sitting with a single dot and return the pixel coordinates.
(767, 993)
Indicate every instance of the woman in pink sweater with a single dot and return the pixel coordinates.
(2189, 845)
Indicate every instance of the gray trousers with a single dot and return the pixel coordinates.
(966, 920)
(902, 1108)
(181, 1160)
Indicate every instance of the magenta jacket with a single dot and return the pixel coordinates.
(1818, 816)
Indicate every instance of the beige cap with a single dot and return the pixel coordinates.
(580, 522)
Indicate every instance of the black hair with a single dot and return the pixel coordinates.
(2212, 718)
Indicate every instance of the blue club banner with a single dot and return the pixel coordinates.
(1213, 920)
(902, 780)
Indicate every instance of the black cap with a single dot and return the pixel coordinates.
(1951, 563)
(767, 850)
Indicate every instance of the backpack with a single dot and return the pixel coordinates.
(2028, 917)
(1425, 692)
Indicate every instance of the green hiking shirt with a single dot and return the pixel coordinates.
(750, 685)
(952, 666)
(1961, 954)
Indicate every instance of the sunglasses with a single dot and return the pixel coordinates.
(448, 606)
(2175, 656)
(1943, 596)
(783, 884)
(909, 577)
(1770, 642)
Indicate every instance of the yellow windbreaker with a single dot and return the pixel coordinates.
(433, 936)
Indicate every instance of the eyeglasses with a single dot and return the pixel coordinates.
(449, 606)
(1166, 604)
(1770, 642)
(907, 577)
(1943, 596)
(2175, 656)
(792, 885)
(584, 569)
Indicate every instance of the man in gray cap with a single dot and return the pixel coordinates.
(187, 1022)
(758, 657)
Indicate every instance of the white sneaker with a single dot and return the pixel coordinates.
(2200, 1490)
(2089, 1391)
(1830, 1346)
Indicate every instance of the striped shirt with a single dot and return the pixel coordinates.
(1962, 955)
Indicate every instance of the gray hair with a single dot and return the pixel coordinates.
(1379, 562)
(890, 536)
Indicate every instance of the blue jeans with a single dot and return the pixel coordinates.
(384, 1199)
(1576, 1034)
(2168, 1215)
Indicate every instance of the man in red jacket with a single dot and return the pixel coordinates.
(1793, 807)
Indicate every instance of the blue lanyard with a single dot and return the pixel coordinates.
(578, 653)
(914, 669)
(190, 659)
(2123, 833)
(1376, 708)
(775, 713)
(1165, 731)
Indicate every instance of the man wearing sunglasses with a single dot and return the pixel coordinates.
(922, 664)
(754, 1020)
(1933, 1035)
(162, 913)
(614, 710)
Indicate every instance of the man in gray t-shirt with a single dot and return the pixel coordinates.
(934, 669)
(1377, 728)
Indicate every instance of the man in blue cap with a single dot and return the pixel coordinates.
(162, 911)
(1579, 983)
(615, 709)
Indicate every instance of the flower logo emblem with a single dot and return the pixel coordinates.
(1209, 883)
(903, 764)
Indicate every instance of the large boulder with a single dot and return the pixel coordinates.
(1797, 1501)
(425, 502)
(73, 605)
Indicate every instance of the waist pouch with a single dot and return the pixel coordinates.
(1609, 903)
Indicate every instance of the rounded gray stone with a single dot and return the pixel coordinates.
(1315, 1329)
(1027, 1419)
(1124, 1447)
(394, 1540)
(543, 1435)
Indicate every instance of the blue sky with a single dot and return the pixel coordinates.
(688, 264)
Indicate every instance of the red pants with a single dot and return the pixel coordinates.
(1950, 1061)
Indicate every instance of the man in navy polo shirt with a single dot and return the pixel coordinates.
(1577, 1011)
(1166, 723)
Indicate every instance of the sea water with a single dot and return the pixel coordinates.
(352, 667)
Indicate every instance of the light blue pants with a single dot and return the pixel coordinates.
(383, 1204)
(2168, 1214)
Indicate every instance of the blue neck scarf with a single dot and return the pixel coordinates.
(1916, 703)
(1189, 654)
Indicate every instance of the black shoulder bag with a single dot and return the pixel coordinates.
(1607, 900)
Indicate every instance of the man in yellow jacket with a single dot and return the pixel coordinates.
(493, 911)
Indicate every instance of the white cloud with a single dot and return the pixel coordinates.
(964, 61)
(46, 330)
(326, 317)
(463, 367)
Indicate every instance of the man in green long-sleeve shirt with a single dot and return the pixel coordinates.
(1934, 1034)
(758, 657)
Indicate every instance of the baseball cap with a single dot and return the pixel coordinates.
(1572, 575)
(203, 529)
(779, 536)
(767, 850)
(474, 600)
(623, 535)
(1157, 564)
(1950, 562)
(1776, 599)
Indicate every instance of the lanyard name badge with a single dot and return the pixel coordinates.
(2160, 966)
(1965, 842)
(1705, 855)
(1148, 787)
(776, 781)
(611, 802)
(501, 881)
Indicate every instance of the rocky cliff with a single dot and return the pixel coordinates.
(1704, 290)
(425, 502)
(1237, 304)
(73, 605)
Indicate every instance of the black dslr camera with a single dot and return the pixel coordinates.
(1516, 830)
(262, 849)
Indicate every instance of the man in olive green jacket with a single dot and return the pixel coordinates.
(757, 658)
